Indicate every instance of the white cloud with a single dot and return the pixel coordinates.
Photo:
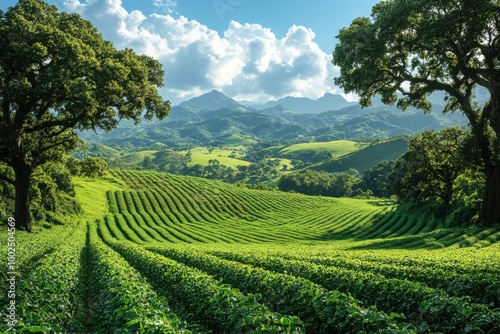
(247, 62)
(167, 6)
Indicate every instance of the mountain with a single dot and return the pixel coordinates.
(213, 100)
(188, 126)
(308, 106)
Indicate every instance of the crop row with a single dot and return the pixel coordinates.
(226, 209)
(124, 301)
(216, 306)
(151, 216)
(29, 247)
(482, 287)
(421, 304)
(321, 310)
(212, 211)
(49, 297)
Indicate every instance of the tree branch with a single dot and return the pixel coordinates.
(65, 123)
(45, 149)
(7, 179)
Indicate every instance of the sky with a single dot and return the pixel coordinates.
(252, 50)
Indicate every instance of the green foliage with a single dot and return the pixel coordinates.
(322, 311)
(55, 277)
(52, 195)
(420, 301)
(179, 209)
(467, 198)
(403, 55)
(93, 167)
(125, 306)
(238, 260)
(320, 183)
(217, 306)
(376, 179)
(58, 75)
(427, 172)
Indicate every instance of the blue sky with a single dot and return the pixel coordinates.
(248, 49)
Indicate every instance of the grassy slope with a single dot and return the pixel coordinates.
(201, 155)
(366, 157)
(91, 194)
(337, 148)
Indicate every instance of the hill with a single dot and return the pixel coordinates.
(188, 127)
(190, 209)
(366, 157)
(336, 148)
(160, 253)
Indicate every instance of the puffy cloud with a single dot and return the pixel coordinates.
(247, 62)
(167, 5)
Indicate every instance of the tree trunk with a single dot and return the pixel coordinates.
(490, 208)
(22, 185)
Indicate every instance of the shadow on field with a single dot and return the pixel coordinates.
(401, 228)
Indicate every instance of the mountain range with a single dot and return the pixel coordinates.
(215, 100)
(211, 118)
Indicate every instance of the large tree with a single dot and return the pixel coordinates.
(427, 172)
(410, 49)
(57, 76)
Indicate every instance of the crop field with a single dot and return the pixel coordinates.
(161, 253)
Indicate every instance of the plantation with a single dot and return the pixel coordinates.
(162, 253)
(374, 230)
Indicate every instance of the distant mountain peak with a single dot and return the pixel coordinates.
(213, 100)
(306, 105)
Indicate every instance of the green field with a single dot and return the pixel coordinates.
(202, 156)
(366, 157)
(337, 148)
(161, 253)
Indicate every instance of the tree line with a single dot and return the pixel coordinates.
(441, 171)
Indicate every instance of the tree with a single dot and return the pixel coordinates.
(376, 179)
(320, 183)
(93, 167)
(411, 49)
(428, 171)
(58, 75)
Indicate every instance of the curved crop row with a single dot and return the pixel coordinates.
(265, 216)
(481, 287)
(322, 311)
(125, 305)
(219, 307)
(421, 304)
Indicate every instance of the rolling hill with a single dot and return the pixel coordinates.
(337, 148)
(189, 126)
(162, 253)
(366, 157)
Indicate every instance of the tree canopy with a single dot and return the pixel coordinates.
(57, 76)
(429, 169)
(408, 50)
